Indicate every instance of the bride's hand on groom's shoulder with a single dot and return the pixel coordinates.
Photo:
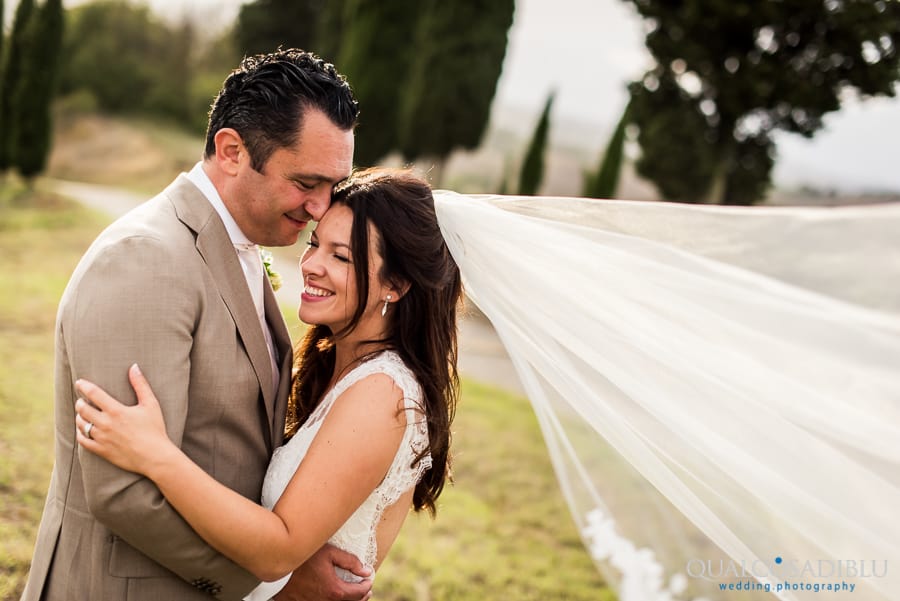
(132, 437)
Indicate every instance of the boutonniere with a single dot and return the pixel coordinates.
(274, 276)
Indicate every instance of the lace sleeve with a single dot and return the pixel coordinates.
(406, 471)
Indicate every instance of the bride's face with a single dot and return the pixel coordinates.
(330, 290)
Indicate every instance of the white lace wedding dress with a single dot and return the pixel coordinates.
(357, 535)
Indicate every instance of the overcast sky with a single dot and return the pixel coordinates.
(587, 50)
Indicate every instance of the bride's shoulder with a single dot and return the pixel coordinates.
(388, 369)
(372, 391)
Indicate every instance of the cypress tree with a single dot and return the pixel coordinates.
(264, 25)
(2, 40)
(375, 56)
(603, 184)
(460, 47)
(533, 166)
(34, 94)
(330, 29)
(15, 58)
(503, 187)
(2, 44)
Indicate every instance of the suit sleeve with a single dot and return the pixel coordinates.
(136, 304)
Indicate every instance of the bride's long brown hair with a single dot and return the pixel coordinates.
(421, 324)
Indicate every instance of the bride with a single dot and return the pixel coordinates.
(372, 402)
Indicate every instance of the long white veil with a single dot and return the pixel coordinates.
(719, 388)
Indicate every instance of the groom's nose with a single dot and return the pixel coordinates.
(317, 203)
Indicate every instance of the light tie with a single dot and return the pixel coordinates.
(251, 262)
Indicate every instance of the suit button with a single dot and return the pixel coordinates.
(206, 585)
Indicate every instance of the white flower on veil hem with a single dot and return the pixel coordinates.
(642, 575)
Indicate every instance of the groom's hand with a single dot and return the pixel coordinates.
(316, 579)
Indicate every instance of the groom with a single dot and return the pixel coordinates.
(177, 287)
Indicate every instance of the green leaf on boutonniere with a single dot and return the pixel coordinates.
(274, 276)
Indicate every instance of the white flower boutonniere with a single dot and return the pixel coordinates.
(274, 276)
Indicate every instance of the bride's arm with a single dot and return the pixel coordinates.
(349, 457)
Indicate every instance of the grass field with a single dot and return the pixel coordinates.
(41, 239)
(502, 530)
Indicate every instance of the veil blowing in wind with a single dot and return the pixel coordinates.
(718, 387)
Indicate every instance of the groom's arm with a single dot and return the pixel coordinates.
(136, 304)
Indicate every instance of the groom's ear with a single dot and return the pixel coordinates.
(230, 150)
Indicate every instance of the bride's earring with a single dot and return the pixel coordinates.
(387, 301)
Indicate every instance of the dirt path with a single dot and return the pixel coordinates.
(481, 354)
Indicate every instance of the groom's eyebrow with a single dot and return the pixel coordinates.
(306, 177)
(316, 177)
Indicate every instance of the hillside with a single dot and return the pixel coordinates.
(145, 156)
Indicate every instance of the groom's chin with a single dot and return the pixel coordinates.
(284, 237)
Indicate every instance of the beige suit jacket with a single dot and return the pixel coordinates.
(161, 287)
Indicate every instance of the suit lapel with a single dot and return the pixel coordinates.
(218, 252)
(282, 341)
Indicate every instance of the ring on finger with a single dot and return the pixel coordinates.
(87, 430)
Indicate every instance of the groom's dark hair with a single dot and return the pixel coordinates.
(265, 98)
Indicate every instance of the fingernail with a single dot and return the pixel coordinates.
(135, 369)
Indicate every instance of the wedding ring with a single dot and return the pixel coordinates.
(87, 429)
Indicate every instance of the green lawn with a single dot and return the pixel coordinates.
(41, 239)
(502, 531)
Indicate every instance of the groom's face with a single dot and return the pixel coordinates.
(294, 187)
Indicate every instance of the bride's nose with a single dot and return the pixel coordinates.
(310, 263)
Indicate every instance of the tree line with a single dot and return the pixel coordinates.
(424, 71)
(118, 57)
(725, 77)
